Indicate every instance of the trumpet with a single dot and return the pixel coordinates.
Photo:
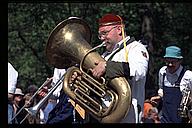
(45, 83)
(32, 110)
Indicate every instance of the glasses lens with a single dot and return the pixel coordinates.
(105, 33)
(172, 61)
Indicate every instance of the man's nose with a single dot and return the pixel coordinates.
(102, 38)
(170, 64)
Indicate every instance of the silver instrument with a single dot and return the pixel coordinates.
(35, 109)
(183, 108)
(23, 107)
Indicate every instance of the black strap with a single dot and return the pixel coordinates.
(122, 46)
(164, 74)
(177, 83)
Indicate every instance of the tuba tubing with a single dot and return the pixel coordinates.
(122, 87)
(120, 109)
(119, 84)
(123, 90)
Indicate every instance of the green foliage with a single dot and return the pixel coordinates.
(29, 26)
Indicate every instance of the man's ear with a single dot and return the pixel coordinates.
(119, 28)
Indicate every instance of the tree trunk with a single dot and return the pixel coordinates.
(147, 39)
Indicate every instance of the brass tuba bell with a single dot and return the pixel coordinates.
(67, 45)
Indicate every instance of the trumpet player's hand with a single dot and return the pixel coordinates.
(99, 70)
(43, 92)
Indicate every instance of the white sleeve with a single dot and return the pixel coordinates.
(186, 81)
(12, 78)
(56, 76)
(138, 58)
(160, 80)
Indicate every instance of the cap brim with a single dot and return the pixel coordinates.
(177, 57)
(11, 93)
(110, 23)
(19, 94)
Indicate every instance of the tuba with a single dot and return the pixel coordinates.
(68, 45)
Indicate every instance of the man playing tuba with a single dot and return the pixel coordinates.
(124, 57)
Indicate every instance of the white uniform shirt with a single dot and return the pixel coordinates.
(56, 76)
(138, 63)
(170, 79)
(12, 78)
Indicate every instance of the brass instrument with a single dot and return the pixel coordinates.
(68, 44)
(47, 82)
(33, 110)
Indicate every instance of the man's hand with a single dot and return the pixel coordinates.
(99, 70)
(43, 92)
(74, 76)
(155, 99)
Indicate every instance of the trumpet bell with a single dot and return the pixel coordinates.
(32, 111)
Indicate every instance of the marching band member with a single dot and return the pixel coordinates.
(124, 57)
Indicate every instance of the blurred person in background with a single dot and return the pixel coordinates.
(12, 82)
(17, 99)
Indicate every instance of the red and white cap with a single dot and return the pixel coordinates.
(110, 19)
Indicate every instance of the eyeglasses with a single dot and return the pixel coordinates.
(171, 61)
(105, 33)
